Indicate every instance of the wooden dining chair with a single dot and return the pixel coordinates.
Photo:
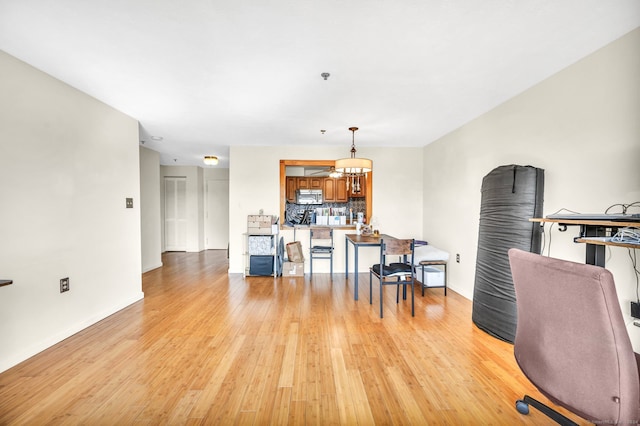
(399, 273)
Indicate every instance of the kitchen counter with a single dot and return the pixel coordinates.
(305, 229)
(351, 227)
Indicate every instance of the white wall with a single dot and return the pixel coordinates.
(214, 173)
(150, 213)
(219, 176)
(581, 125)
(254, 184)
(67, 163)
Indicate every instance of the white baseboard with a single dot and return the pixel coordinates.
(151, 268)
(17, 358)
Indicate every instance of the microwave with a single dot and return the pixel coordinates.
(309, 196)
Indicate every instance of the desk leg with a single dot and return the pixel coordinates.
(595, 254)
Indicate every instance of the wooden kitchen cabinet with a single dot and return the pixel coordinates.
(316, 182)
(335, 190)
(363, 188)
(329, 191)
(292, 186)
(342, 195)
(303, 183)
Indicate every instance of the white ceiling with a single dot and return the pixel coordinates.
(207, 74)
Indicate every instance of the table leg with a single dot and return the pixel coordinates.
(346, 259)
(355, 270)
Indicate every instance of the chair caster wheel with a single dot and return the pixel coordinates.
(522, 407)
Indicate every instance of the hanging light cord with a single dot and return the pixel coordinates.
(353, 141)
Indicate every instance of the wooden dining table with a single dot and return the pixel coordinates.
(357, 241)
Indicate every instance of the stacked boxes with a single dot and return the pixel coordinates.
(260, 224)
(294, 252)
(261, 242)
(293, 269)
(295, 266)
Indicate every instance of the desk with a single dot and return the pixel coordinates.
(359, 241)
(593, 233)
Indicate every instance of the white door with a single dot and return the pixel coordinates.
(217, 222)
(175, 213)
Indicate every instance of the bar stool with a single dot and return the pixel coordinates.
(320, 246)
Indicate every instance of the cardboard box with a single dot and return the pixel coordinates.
(261, 224)
(433, 277)
(294, 252)
(293, 269)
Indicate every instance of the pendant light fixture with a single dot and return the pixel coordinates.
(353, 166)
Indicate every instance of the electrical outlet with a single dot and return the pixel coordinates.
(458, 257)
(64, 284)
(129, 203)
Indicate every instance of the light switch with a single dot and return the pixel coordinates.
(129, 203)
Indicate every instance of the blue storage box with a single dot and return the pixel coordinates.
(260, 265)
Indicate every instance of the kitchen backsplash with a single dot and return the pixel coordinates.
(295, 212)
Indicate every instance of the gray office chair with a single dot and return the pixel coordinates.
(571, 341)
(320, 246)
(394, 273)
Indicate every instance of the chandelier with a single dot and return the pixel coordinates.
(353, 167)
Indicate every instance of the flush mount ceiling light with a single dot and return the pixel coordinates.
(210, 160)
(353, 166)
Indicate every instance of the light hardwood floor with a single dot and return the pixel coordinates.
(204, 347)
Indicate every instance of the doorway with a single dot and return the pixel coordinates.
(175, 213)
